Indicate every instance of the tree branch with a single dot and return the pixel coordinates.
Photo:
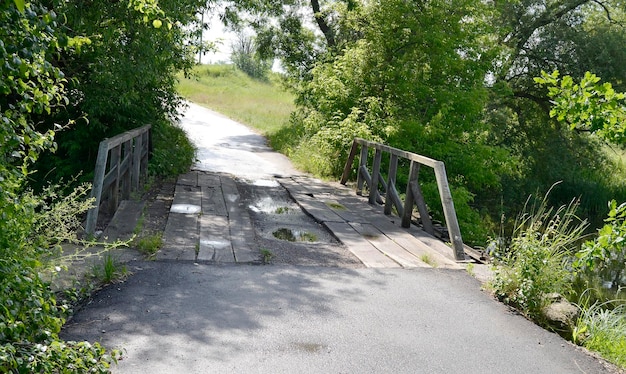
(322, 24)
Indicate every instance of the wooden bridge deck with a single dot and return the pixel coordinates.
(208, 222)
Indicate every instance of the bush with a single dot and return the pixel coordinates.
(173, 153)
(537, 262)
(604, 259)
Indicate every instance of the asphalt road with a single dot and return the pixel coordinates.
(181, 317)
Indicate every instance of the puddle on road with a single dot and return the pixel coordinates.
(276, 215)
(185, 208)
(290, 235)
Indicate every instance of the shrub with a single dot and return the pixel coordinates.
(604, 258)
(173, 152)
(537, 262)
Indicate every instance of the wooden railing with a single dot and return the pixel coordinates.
(413, 194)
(122, 161)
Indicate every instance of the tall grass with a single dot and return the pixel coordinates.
(262, 105)
(537, 262)
(601, 327)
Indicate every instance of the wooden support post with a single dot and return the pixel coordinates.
(427, 223)
(135, 169)
(391, 186)
(362, 166)
(448, 210)
(96, 191)
(113, 194)
(349, 162)
(125, 173)
(375, 177)
(409, 200)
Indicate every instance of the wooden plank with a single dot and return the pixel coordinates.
(412, 244)
(208, 180)
(187, 195)
(292, 186)
(317, 209)
(408, 155)
(336, 205)
(241, 230)
(180, 238)
(359, 246)
(135, 170)
(213, 201)
(215, 244)
(387, 246)
(391, 188)
(189, 179)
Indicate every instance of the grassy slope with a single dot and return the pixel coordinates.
(264, 106)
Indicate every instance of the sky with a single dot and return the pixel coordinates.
(217, 32)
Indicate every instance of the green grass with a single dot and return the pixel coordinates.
(263, 105)
(602, 328)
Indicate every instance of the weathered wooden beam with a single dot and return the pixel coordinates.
(409, 199)
(448, 210)
(346, 169)
(375, 177)
(135, 171)
(362, 166)
(421, 207)
(391, 196)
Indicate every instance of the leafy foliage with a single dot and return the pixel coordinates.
(122, 76)
(588, 105)
(604, 258)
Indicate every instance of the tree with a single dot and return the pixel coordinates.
(245, 57)
(121, 77)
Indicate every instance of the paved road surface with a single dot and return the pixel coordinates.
(183, 317)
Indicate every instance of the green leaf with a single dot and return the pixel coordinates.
(20, 4)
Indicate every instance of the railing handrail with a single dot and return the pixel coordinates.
(128, 162)
(413, 191)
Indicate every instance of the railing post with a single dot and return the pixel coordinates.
(427, 224)
(409, 200)
(375, 176)
(448, 210)
(392, 194)
(96, 191)
(113, 193)
(349, 162)
(362, 168)
(126, 182)
(135, 169)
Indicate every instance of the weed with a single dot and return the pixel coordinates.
(110, 270)
(267, 255)
(149, 244)
(429, 261)
(335, 206)
(282, 210)
(470, 269)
